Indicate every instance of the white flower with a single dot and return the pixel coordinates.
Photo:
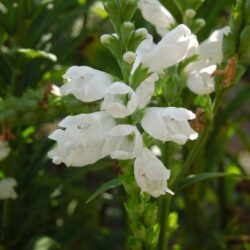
(85, 83)
(145, 90)
(169, 124)
(120, 100)
(150, 174)
(209, 53)
(173, 48)
(81, 143)
(123, 142)
(155, 13)
(7, 188)
(201, 82)
(4, 150)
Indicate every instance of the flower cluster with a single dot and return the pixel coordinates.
(209, 52)
(86, 138)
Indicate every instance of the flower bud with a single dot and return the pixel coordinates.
(138, 230)
(106, 39)
(128, 25)
(190, 13)
(199, 23)
(150, 215)
(142, 33)
(129, 57)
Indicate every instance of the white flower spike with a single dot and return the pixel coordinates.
(7, 190)
(123, 142)
(85, 83)
(156, 14)
(120, 100)
(175, 46)
(169, 124)
(150, 174)
(81, 143)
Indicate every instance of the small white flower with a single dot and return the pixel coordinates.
(209, 53)
(201, 82)
(145, 90)
(85, 83)
(150, 174)
(81, 143)
(120, 100)
(156, 14)
(169, 124)
(4, 150)
(173, 48)
(7, 190)
(123, 142)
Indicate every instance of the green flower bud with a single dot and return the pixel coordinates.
(127, 31)
(134, 243)
(150, 214)
(198, 24)
(138, 230)
(190, 13)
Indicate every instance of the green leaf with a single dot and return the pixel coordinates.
(191, 179)
(104, 187)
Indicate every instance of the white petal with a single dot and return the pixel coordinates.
(155, 13)
(120, 100)
(86, 84)
(145, 90)
(123, 142)
(173, 48)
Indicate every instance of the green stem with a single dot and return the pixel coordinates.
(164, 214)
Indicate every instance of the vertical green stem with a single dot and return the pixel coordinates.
(164, 210)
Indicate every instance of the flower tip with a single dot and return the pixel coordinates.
(106, 39)
(142, 32)
(129, 57)
(190, 13)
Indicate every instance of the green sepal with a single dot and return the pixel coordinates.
(152, 235)
(150, 215)
(138, 230)
(139, 76)
(126, 32)
(134, 243)
(244, 50)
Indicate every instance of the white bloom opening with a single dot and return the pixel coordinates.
(209, 54)
(7, 190)
(85, 83)
(150, 174)
(4, 150)
(156, 14)
(173, 48)
(120, 100)
(123, 142)
(169, 124)
(200, 82)
(81, 143)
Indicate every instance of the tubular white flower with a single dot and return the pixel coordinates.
(209, 54)
(169, 124)
(150, 174)
(120, 100)
(4, 150)
(145, 90)
(201, 82)
(123, 142)
(7, 190)
(173, 48)
(156, 14)
(85, 83)
(81, 143)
